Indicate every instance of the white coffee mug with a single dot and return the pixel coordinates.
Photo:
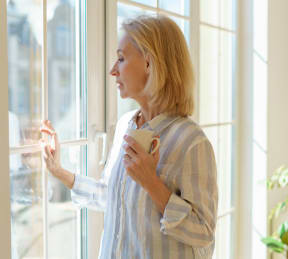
(145, 138)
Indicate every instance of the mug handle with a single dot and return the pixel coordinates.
(157, 145)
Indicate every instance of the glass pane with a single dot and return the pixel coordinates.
(209, 11)
(226, 76)
(209, 75)
(216, 75)
(66, 93)
(260, 21)
(224, 238)
(24, 66)
(26, 206)
(147, 2)
(181, 6)
(218, 13)
(125, 12)
(184, 26)
(63, 216)
(221, 140)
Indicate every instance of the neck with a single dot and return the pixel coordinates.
(147, 113)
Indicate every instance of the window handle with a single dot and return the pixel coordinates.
(103, 135)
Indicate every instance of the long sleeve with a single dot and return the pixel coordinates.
(89, 193)
(191, 216)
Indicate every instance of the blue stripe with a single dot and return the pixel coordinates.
(139, 229)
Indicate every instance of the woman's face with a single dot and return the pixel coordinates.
(130, 70)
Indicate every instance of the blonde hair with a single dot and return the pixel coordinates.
(171, 81)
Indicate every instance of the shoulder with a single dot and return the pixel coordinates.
(187, 132)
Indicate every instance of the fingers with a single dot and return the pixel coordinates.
(55, 139)
(129, 151)
(47, 127)
(47, 154)
(134, 144)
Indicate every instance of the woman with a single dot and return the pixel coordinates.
(162, 205)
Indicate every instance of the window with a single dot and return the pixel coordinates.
(217, 106)
(40, 205)
(44, 223)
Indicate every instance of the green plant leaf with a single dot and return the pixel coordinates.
(274, 244)
(281, 206)
(283, 232)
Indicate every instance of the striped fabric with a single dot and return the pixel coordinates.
(133, 226)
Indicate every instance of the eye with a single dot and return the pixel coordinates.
(121, 59)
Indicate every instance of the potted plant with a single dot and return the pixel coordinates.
(278, 241)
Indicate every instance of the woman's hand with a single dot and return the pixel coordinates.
(52, 152)
(140, 165)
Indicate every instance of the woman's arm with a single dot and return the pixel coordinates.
(66, 177)
(89, 193)
(191, 216)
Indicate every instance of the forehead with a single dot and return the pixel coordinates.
(126, 46)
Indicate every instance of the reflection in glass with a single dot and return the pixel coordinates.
(24, 67)
(26, 206)
(66, 95)
(181, 6)
(63, 215)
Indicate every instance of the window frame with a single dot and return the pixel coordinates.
(5, 238)
(94, 75)
(98, 75)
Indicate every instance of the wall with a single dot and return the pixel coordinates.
(277, 134)
(4, 139)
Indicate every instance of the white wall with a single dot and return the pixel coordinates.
(4, 140)
(277, 135)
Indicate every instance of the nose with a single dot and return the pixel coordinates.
(114, 70)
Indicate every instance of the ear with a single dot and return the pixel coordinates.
(147, 64)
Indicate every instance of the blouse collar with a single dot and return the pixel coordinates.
(158, 123)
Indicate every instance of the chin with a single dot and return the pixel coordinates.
(123, 95)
